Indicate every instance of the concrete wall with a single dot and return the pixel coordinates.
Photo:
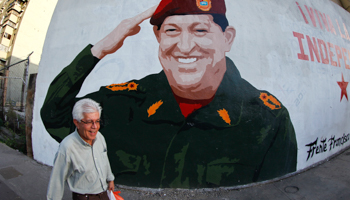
(298, 54)
(337, 2)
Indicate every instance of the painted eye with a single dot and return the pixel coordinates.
(201, 32)
(172, 31)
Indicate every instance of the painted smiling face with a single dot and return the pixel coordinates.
(192, 51)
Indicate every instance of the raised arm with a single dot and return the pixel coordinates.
(56, 112)
(114, 40)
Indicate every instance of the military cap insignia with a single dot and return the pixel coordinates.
(204, 5)
(270, 101)
(153, 108)
(225, 116)
(123, 86)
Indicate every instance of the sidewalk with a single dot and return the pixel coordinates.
(22, 178)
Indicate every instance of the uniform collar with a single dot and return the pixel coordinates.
(227, 106)
(228, 98)
(160, 103)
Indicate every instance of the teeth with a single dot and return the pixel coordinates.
(187, 60)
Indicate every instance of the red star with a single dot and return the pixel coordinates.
(343, 86)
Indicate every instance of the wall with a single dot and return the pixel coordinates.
(337, 2)
(286, 48)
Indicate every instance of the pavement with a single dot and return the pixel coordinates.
(22, 178)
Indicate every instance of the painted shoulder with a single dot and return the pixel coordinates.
(146, 84)
(271, 103)
(262, 97)
(128, 86)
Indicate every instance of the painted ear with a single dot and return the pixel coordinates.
(230, 34)
(156, 33)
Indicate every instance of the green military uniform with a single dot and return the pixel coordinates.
(244, 135)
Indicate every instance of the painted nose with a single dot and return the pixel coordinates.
(185, 43)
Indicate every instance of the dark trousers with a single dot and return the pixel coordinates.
(100, 196)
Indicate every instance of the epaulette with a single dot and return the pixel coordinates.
(270, 101)
(130, 86)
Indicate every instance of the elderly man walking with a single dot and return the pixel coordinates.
(81, 159)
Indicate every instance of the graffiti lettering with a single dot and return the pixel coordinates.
(313, 146)
(338, 142)
(325, 52)
(316, 148)
(322, 51)
(324, 21)
(298, 100)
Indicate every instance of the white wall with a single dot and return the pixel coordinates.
(265, 51)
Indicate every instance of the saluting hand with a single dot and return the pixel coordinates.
(114, 40)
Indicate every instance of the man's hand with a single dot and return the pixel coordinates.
(114, 40)
(111, 185)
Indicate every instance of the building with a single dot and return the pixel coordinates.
(23, 30)
(11, 14)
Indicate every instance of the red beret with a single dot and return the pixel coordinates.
(182, 7)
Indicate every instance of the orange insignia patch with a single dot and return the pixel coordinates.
(225, 116)
(132, 86)
(152, 110)
(204, 5)
(270, 101)
(123, 86)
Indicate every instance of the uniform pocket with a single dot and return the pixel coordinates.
(130, 163)
(220, 169)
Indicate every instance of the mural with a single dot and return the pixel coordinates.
(193, 121)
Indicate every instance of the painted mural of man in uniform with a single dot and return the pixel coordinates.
(195, 124)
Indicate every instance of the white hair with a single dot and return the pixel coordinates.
(85, 106)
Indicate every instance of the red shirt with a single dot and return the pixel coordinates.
(188, 106)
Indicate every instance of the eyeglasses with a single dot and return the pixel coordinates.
(90, 123)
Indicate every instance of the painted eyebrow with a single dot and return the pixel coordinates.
(200, 23)
(191, 26)
(171, 24)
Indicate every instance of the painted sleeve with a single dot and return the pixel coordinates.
(56, 112)
(281, 158)
(58, 177)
